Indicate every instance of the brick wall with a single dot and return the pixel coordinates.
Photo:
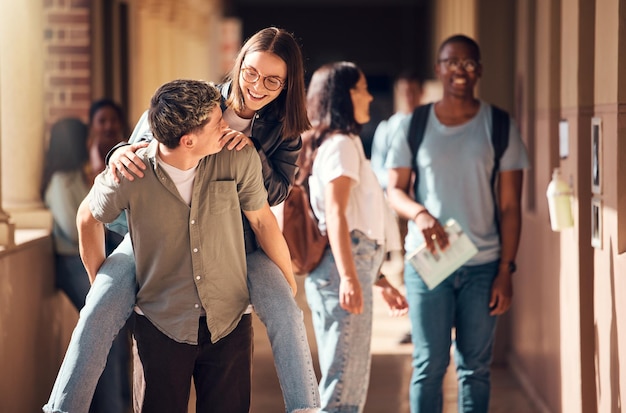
(67, 73)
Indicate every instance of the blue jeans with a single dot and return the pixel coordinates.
(107, 307)
(344, 339)
(72, 278)
(112, 392)
(111, 301)
(460, 301)
(273, 301)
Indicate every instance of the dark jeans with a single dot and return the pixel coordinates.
(221, 371)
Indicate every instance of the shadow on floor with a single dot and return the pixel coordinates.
(390, 374)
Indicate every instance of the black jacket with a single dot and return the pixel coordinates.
(278, 158)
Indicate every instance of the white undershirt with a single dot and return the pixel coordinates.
(236, 122)
(182, 179)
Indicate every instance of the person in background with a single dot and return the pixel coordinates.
(455, 163)
(350, 206)
(106, 129)
(65, 184)
(407, 95)
(263, 100)
(63, 187)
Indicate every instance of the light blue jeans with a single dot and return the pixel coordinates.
(273, 302)
(344, 339)
(108, 305)
(460, 301)
(112, 298)
(112, 393)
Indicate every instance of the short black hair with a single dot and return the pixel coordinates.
(463, 39)
(104, 103)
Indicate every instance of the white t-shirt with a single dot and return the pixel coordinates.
(343, 155)
(236, 122)
(182, 179)
(381, 142)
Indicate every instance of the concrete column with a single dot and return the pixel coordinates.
(147, 55)
(169, 41)
(21, 119)
(452, 17)
(7, 227)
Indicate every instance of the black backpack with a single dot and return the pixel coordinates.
(499, 139)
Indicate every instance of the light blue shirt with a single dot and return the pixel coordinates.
(455, 164)
(385, 131)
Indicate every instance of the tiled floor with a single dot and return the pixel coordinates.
(391, 371)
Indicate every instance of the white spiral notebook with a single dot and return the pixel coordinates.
(434, 268)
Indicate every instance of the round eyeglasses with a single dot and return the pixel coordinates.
(469, 65)
(272, 83)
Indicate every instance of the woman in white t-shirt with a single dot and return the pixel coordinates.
(350, 206)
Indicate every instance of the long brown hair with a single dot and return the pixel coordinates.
(329, 103)
(289, 106)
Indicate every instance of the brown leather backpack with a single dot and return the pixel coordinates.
(305, 241)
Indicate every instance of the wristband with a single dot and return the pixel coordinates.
(418, 214)
(113, 149)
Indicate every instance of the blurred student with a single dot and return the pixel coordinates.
(63, 187)
(351, 208)
(65, 184)
(106, 129)
(407, 95)
(408, 90)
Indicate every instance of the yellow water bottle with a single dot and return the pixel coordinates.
(559, 196)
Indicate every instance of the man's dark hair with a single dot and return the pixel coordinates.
(467, 41)
(180, 107)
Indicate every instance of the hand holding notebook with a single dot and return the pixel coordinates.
(434, 268)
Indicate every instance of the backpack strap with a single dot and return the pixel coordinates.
(417, 127)
(500, 123)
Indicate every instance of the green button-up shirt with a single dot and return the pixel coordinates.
(188, 258)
